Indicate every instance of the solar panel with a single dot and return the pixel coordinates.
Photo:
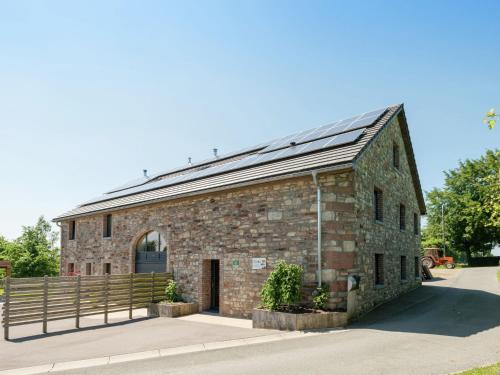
(338, 127)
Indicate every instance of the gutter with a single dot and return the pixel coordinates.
(335, 168)
(318, 201)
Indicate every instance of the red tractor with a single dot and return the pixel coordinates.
(433, 257)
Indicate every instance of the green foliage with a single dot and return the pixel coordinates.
(488, 370)
(33, 253)
(320, 297)
(491, 118)
(471, 197)
(171, 292)
(282, 286)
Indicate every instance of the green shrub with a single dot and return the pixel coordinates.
(282, 286)
(171, 292)
(320, 297)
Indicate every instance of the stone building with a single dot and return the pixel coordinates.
(220, 225)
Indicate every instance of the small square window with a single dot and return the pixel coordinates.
(379, 269)
(416, 225)
(403, 268)
(395, 156)
(378, 204)
(72, 230)
(107, 268)
(402, 217)
(107, 225)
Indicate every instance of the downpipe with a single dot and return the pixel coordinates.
(318, 201)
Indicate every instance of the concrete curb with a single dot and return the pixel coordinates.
(157, 353)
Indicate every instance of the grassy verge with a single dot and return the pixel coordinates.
(490, 370)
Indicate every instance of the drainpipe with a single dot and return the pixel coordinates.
(318, 199)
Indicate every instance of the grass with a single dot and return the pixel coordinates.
(489, 370)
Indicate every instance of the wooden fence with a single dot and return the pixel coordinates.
(44, 299)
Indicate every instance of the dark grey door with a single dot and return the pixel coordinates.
(150, 261)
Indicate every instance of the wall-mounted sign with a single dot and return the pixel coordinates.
(236, 263)
(258, 263)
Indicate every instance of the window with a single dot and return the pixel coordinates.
(72, 230)
(415, 224)
(395, 156)
(379, 269)
(107, 225)
(402, 217)
(403, 267)
(379, 204)
(107, 268)
(88, 269)
(71, 269)
(152, 241)
(417, 267)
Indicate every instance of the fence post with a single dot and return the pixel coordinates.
(78, 287)
(45, 301)
(152, 286)
(131, 294)
(6, 307)
(106, 289)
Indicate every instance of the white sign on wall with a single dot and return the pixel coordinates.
(258, 263)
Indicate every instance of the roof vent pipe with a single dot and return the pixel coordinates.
(145, 171)
(189, 161)
(318, 201)
(215, 153)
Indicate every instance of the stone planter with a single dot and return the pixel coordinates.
(297, 322)
(172, 310)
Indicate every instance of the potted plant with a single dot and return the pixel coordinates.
(280, 307)
(173, 305)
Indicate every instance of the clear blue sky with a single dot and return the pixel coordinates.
(92, 92)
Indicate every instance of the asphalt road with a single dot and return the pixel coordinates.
(443, 327)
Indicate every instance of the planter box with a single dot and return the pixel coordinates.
(297, 322)
(172, 310)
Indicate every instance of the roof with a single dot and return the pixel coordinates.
(332, 146)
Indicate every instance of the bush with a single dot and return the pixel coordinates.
(484, 262)
(282, 286)
(171, 292)
(320, 297)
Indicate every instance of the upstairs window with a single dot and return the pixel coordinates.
(72, 230)
(107, 268)
(415, 224)
(378, 204)
(107, 225)
(395, 156)
(88, 269)
(402, 217)
(417, 267)
(379, 269)
(403, 268)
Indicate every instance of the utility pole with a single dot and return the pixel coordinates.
(442, 228)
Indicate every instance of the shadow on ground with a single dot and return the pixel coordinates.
(438, 311)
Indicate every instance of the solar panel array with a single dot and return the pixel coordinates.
(329, 136)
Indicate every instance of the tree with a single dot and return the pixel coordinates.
(471, 199)
(34, 252)
(491, 118)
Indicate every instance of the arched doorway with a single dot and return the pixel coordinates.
(151, 253)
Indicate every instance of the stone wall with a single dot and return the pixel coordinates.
(274, 220)
(375, 169)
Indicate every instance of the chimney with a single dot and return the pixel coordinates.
(145, 171)
(215, 153)
(189, 161)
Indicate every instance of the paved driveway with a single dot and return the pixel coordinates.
(446, 326)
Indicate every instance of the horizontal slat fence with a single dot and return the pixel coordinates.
(45, 299)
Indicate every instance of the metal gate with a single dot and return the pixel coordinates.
(150, 261)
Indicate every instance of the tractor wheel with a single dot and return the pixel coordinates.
(449, 265)
(427, 262)
(454, 265)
